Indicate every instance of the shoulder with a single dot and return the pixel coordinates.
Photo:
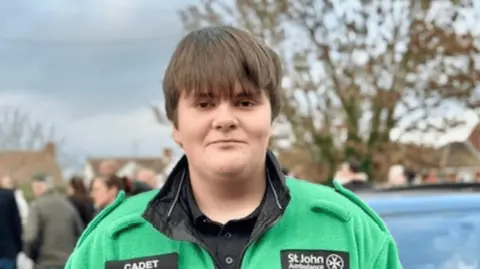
(123, 212)
(6, 193)
(336, 199)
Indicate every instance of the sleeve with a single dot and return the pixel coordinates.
(22, 206)
(388, 256)
(17, 224)
(78, 224)
(91, 251)
(32, 231)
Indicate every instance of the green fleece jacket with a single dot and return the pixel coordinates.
(322, 228)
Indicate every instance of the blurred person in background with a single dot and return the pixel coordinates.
(477, 177)
(53, 226)
(10, 230)
(351, 176)
(7, 182)
(400, 176)
(148, 177)
(78, 196)
(430, 177)
(105, 189)
(108, 168)
(138, 186)
(286, 171)
(411, 176)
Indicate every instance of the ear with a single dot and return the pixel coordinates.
(176, 136)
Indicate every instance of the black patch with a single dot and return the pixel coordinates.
(314, 259)
(166, 261)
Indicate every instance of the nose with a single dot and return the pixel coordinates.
(225, 119)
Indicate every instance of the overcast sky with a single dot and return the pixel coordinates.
(91, 68)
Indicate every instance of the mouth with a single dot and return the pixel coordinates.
(227, 141)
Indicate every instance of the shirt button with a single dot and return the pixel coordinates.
(229, 260)
(228, 235)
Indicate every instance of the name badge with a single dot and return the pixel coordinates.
(314, 259)
(166, 261)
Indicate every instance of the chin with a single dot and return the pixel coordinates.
(228, 168)
(227, 163)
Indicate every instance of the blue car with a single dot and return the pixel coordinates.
(434, 226)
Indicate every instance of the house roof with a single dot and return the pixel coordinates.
(460, 154)
(22, 165)
(157, 164)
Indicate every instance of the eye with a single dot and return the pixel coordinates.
(205, 104)
(246, 103)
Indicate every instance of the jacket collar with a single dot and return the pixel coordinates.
(166, 213)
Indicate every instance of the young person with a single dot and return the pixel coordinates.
(227, 204)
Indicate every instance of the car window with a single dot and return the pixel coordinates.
(437, 240)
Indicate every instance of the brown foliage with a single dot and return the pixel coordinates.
(354, 75)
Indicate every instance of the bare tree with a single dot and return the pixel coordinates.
(358, 70)
(18, 131)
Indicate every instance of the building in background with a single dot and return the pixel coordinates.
(21, 165)
(128, 166)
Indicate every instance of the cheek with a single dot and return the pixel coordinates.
(96, 196)
(261, 130)
(193, 132)
(112, 194)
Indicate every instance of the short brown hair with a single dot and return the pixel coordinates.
(215, 59)
(114, 181)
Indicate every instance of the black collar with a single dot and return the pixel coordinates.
(166, 213)
(196, 214)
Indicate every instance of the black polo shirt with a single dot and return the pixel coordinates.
(225, 242)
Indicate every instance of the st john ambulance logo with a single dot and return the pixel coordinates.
(314, 259)
(334, 261)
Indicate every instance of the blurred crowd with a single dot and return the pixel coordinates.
(43, 233)
(351, 176)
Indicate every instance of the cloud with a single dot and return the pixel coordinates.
(90, 68)
(40, 107)
(134, 132)
(90, 19)
(131, 132)
(106, 56)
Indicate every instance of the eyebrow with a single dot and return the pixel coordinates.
(242, 94)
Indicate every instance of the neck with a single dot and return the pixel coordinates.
(224, 199)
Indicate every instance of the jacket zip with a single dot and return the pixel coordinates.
(252, 239)
(204, 247)
(213, 257)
